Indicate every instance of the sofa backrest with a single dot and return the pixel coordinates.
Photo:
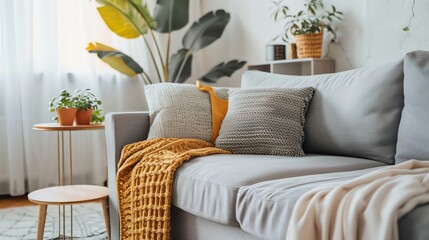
(413, 135)
(353, 113)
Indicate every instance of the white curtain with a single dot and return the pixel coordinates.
(42, 50)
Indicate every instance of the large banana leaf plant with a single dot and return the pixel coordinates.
(133, 19)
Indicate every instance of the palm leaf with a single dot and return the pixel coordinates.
(123, 18)
(222, 70)
(144, 11)
(182, 57)
(208, 29)
(116, 59)
(171, 15)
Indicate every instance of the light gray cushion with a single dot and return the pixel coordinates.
(207, 186)
(186, 226)
(180, 111)
(353, 113)
(265, 121)
(415, 224)
(264, 209)
(413, 136)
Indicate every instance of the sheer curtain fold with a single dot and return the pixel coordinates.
(42, 50)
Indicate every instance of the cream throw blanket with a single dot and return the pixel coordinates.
(367, 207)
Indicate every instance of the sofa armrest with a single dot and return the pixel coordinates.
(121, 128)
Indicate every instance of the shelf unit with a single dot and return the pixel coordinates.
(300, 67)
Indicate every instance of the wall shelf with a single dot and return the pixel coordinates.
(300, 67)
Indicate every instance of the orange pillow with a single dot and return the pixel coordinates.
(219, 109)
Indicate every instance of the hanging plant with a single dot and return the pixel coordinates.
(407, 28)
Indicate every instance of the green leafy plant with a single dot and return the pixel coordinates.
(63, 100)
(81, 100)
(84, 100)
(133, 19)
(312, 19)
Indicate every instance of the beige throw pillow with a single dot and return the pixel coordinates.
(180, 111)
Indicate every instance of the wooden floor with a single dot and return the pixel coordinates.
(8, 201)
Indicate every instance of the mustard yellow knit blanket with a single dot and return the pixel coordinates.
(144, 183)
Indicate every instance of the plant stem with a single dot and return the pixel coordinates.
(413, 14)
(145, 78)
(159, 54)
(153, 59)
(147, 44)
(167, 57)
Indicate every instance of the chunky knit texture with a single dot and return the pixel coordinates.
(265, 121)
(144, 184)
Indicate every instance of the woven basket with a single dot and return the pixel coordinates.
(309, 45)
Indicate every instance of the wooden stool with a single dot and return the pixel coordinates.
(69, 195)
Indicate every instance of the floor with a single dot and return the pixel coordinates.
(8, 201)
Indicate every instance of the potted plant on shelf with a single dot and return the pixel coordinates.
(307, 26)
(64, 105)
(87, 107)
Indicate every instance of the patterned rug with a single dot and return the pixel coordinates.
(21, 223)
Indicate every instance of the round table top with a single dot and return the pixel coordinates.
(69, 194)
(58, 127)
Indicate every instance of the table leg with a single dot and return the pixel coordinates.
(64, 221)
(71, 221)
(41, 221)
(71, 182)
(105, 204)
(59, 182)
(71, 158)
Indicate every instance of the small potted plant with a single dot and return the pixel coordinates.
(307, 26)
(87, 107)
(64, 105)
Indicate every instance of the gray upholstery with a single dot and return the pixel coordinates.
(208, 186)
(124, 128)
(353, 113)
(266, 121)
(264, 209)
(186, 226)
(415, 224)
(121, 129)
(413, 135)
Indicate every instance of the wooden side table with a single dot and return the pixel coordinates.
(67, 194)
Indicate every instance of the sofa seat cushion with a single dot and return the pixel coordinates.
(264, 209)
(207, 186)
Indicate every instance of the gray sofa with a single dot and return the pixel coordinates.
(359, 119)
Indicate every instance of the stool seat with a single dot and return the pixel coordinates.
(69, 194)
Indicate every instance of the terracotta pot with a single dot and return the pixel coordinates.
(66, 116)
(83, 117)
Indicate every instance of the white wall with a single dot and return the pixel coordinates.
(371, 32)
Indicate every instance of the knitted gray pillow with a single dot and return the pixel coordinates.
(180, 111)
(265, 121)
